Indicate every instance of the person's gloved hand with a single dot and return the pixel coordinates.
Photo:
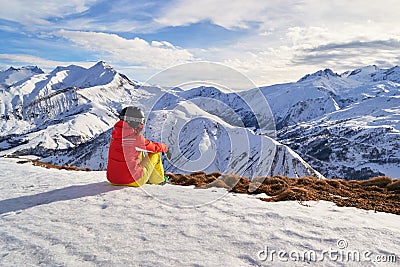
(164, 148)
(169, 155)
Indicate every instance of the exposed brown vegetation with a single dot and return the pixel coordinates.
(379, 193)
(52, 166)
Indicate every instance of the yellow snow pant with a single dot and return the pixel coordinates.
(153, 170)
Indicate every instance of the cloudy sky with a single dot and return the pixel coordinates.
(269, 41)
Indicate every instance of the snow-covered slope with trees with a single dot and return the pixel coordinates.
(66, 116)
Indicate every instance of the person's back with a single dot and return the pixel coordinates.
(127, 164)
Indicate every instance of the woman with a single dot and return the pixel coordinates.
(128, 163)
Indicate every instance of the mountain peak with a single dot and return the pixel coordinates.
(13, 75)
(321, 73)
(372, 73)
(102, 65)
(368, 70)
(33, 69)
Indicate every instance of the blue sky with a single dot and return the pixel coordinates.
(269, 41)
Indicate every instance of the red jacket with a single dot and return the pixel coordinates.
(123, 158)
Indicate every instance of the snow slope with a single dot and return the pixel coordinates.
(65, 218)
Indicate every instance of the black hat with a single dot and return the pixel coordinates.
(134, 116)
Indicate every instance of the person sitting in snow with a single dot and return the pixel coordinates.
(132, 159)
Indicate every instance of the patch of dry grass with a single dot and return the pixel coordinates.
(379, 193)
(52, 166)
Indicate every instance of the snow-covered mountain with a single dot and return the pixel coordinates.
(13, 75)
(344, 125)
(66, 116)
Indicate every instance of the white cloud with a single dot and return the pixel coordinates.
(117, 24)
(354, 12)
(162, 44)
(303, 37)
(269, 66)
(135, 51)
(38, 61)
(36, 12)
(270, 59)
(278, 15)
(282, 40)
(42, 15)
(226, 13)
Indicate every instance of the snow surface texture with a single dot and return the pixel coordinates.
(65, 118)
(66, 218)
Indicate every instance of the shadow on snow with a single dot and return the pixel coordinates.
(67, 193)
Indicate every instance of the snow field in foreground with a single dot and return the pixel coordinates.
(66, 218)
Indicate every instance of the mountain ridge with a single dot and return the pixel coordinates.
(66, 116)
(333, 122)
(72, 105)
